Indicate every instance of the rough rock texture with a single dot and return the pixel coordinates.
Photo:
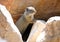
(52, 31)
(37, 29)
(7, 31)
(45, 8)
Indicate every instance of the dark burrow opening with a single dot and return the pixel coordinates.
(27, 32)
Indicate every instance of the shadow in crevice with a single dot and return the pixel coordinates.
(27, 32)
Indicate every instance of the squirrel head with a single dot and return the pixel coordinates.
(29, 13)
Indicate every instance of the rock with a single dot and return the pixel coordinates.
(52, 30)
(2, 40)
(46, 32)
(8, 31)
(37, 28)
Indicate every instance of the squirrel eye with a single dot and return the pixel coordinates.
(27, 9)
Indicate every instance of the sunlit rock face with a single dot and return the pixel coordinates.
(46, 32)
(8, 31)
(3, 40)
(45, 8)
(52, 30)
(37, 29)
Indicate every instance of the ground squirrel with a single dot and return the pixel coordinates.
(26, 19)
